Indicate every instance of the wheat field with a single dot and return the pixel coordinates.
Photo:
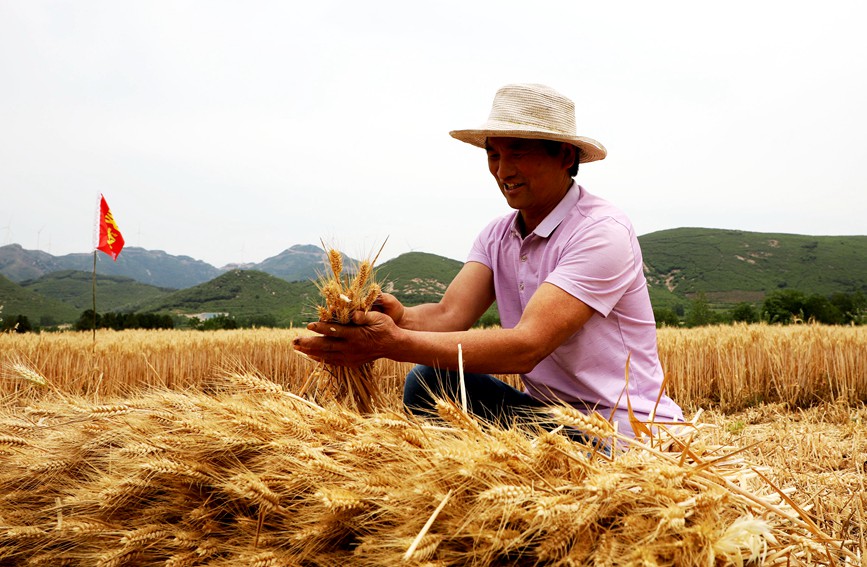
(730, 367)
(190, 448)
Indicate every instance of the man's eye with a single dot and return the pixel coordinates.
(493, 156)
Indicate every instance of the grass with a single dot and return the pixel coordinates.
(735, 427)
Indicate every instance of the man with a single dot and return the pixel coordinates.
(565, 269)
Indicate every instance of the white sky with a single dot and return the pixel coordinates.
(229, 131)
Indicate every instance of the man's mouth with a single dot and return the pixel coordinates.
(511, 186)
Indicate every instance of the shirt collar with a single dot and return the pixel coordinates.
(556, 216)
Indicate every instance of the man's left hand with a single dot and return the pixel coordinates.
(371, 335)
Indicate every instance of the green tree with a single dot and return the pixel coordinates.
(219, 322)
(852, 306)
(784, 306)
(17, 324)
(744, 312)
(491, 318)
(818, 308)
(153, 321)
(264, 320)
(666, 317)
(700, 313)
(86, 320)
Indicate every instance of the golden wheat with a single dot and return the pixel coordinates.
(730, 366)
(171, 483)
(743, 364)
(232, 466)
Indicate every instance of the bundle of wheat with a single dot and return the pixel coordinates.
(343, 296)
(248, 473)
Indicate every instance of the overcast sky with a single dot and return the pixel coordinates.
(229, 131)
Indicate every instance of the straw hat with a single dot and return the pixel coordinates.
(532, 111)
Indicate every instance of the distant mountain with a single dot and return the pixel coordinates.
(730, 266)
(153, 267)
(238, 266)
(40, 310)
(113, 293)
(302, 262)
(419, 277)
(19, 264)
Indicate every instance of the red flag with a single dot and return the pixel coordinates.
(110, 239)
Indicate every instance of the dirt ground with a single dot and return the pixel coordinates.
(821, 452)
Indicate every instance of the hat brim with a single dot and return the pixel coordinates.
(591, 150)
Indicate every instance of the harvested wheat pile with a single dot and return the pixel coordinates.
(245, 473)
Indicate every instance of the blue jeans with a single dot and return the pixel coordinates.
(487, 397)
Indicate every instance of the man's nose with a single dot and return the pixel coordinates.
(505, 169)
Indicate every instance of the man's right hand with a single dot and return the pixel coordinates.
(388, 304)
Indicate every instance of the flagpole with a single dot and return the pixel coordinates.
(94, 299)
(110, 241)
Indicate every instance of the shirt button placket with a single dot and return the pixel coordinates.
(522, 273)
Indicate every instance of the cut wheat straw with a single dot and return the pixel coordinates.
(247, 473)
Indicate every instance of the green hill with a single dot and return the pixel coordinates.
(418, 277)
(730, 266)
(245, 295)
(414, 278)
(113, 293)
(39, 310)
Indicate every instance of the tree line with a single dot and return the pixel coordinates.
(121, 321)
(784, 307)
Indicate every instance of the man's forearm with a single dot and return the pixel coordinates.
(432, 317)
(490, 351)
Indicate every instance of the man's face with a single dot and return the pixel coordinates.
(532, 180)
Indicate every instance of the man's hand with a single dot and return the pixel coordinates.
(388, 304)
(372, 335)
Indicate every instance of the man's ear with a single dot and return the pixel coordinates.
(570, 155)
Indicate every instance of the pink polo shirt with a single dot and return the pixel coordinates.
(588, 248)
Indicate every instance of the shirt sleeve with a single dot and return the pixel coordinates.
(597, 266)
(481, 251)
